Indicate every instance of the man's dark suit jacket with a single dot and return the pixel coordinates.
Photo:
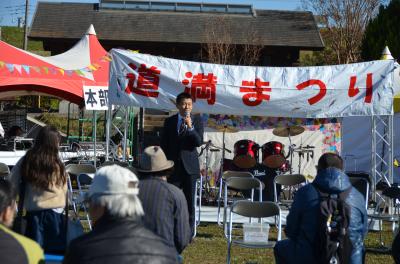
(183, 147)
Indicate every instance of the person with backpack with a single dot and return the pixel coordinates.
(327, 222)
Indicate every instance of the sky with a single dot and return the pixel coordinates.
(11, 10)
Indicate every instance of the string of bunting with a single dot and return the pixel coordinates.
(11, 67)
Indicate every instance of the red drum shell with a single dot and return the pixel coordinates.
(285, 167)
(245, 154)
(273, 154)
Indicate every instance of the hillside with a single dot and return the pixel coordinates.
(15, 36)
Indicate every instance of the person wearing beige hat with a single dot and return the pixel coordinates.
(118, 234)
(164, 205)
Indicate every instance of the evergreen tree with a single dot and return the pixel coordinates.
(383, 30)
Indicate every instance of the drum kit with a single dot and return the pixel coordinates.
(246, 152)
(273, 154)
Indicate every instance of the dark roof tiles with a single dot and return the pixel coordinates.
(267, 27)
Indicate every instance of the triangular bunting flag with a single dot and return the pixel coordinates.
(79, 72)
(61, 71)
(10, 67)
(46, 70)
(53, 71)
(18, 68)
(69, 72)
(36, 69)
(26, 68)
(96, 65)
(2, 64)
(92, 67)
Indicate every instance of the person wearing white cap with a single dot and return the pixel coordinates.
(118, 235)
(164, 204)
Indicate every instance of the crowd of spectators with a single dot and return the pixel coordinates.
(137, 216)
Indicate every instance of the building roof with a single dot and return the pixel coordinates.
(265, 27)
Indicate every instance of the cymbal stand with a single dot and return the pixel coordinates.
(291, 150)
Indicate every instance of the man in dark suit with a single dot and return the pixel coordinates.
(182, 134)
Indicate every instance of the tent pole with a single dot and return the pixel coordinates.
(108, 127)
(94, 135)
(125, 132)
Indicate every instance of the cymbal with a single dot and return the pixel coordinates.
(288, 131)
(227, 129)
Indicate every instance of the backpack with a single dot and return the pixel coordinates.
(333, 243)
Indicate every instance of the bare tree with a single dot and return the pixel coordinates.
(219, 47)
(345, 21)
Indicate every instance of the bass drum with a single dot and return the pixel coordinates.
(273, 154)
(245, 153)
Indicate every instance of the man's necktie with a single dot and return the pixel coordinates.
(182, 127)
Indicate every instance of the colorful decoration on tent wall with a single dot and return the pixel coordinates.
(11, 67)
(330, 127)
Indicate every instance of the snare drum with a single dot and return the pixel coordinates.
(273, 154)
(246, 154)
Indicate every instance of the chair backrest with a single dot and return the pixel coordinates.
(84, 179)
(362, 185)
(290, 179)
(244, 183)
(77, 169)
(255, 209)
(4, 170)
(229, 174)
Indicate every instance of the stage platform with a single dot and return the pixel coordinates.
(209, 214)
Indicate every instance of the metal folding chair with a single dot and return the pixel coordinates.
(290, 182)
(84, 181)
(226, 175)
(240, 184)
(253, 210)
(362, 185)
(73, 171)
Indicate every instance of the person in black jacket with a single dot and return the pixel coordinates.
(118, 235)
(182, 134)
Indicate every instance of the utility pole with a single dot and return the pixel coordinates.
(26, 25)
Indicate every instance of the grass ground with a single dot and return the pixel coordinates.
(210, 246)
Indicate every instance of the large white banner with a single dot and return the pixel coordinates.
(325, 91)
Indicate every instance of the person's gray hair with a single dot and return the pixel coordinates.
(121, 205)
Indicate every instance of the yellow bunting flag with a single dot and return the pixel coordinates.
(61, 70)
(396, 163)
(2, 64)
(91, 67)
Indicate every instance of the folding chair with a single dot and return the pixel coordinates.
(224, 177)
(254, 210)
(362, 185)
(73, 171)
(84, 180)
(291, 182)
(241, 184)
(387, 209)
(4, 171)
